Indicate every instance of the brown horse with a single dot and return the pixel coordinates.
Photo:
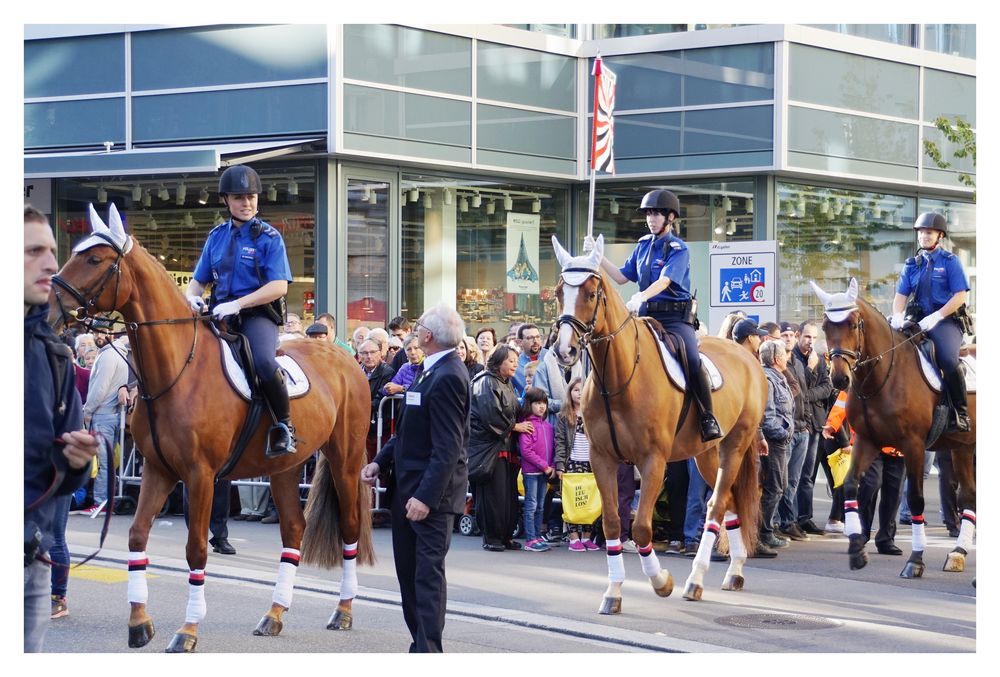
(189, 418)
(890, 405)
(631, 412)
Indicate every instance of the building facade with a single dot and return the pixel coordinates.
(412, 164)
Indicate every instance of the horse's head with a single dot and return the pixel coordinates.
(843, 327)
(92, 278)
(579, 291)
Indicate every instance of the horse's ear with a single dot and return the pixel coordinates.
(852, 289)
(97, 224)
(562, 255)
(598, 254)
(115, 222)
(824, 298)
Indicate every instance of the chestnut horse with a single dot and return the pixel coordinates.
(631, 412)
(188, 420)
(890, 405)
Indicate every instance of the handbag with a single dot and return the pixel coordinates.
(481, 462)
(581, 500)
(840, 462)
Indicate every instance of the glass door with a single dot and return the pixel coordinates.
(368, 230)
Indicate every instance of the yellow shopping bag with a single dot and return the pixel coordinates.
(581, 501)
(840, 462)
(520, 483)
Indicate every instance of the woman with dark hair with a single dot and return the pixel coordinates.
(469, 352)
(493, 457)
(486, 339)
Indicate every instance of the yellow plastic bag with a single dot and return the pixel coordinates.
(581, 501)
(520, 483)
(840, 462)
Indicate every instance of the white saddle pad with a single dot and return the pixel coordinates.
(934, 378)
(295, 379)
(676, 372)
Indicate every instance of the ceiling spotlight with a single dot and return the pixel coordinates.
(824, 206)
(203, 196)
(848, 208)
(614, 206)
(749, 205)
(838, 207)
(102, 194)
(800, 206)
(217, 219)
(414, 195)
(491, 207)
(373, 198)
(272, 193)
(448, 199)
(428, 202)
(477, 201)
(508, 202)
(182, 192)
(536, 205)
(136, 193)
(293, 187)
(731, 230)
(727, 204)
(147, 198)
(151, 223)
(463, 205)
(188, 220)
(366, 194)
(718, 230)
(164, 194)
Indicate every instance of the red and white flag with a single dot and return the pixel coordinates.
(601, 152)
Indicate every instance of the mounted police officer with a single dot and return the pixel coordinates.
(939, 284)
(245, 261)
(661, 266)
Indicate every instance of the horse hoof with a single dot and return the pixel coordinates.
(663, 586)
(733, 583)
(955, 562)
(859, 560)
(610, 606)
(912, 570)
(140, 635)
(182, 643)
(268, 627)
(340, 620)
(692, 592)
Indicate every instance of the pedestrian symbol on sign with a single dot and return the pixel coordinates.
(742, 285)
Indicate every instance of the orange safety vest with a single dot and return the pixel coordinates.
(838, 416)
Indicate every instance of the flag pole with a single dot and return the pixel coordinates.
(593, 133)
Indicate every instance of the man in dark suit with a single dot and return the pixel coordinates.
(427, 456)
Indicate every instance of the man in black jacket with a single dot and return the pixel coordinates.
(427, 457)
(57, 450)
(813, 376)
(378, 373)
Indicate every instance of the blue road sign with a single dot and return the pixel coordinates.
(741, 285)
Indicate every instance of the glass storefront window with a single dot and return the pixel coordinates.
(830, 235)
(367, 254)
(961, 239)
(899, 34)
(483, 245)
(171, 217)
(562, 30)
(954, 39)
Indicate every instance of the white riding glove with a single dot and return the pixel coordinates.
(226, 309)
(196, 302)
(931, 320)
(635, 302)
(588, 244)
(896, 321)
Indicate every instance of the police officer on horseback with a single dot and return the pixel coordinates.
(939, 285)
(660, 264)
(244, 260)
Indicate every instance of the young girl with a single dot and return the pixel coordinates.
(537, 452)
(573, 455)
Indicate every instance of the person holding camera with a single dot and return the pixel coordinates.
(57, 451)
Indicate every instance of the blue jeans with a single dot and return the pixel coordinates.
(807, 479)
(788, 507)
(535, 485)
(775, 478)
(107, 426)
(59, 552)
(36, 606)
(697, 504)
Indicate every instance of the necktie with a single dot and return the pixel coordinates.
(647, 266)
(225, 282)
(924, 287)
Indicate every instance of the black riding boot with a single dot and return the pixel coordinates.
(955, 383)
(703, 394)
(281, 436)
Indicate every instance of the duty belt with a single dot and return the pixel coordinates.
(668, 307)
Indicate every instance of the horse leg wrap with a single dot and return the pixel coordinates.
(285, 584)
(968, 530)
(852, 521)
(196, 608)
(919, 536)
(138, 592)
(650, 564)
(349, 577)
(616, 564)
(737, 548)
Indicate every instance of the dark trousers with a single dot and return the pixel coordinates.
(677, 489)
(262, 334)
(496, 504)
(948, 488)
(59, 552)
(419, 549)
(885, 474)
(774, 469)
(827, 447)
(220, 509)
(626, 492)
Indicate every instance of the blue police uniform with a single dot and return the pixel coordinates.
(933, 278)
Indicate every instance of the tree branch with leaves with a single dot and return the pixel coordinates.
(961, 135)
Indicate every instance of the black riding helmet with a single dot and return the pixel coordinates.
(931, 220)
(240, 180)
(663, 200)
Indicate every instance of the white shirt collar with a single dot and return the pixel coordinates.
(431, 360)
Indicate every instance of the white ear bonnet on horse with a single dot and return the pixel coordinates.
(840, 305)
(116, 231)
(584, 266)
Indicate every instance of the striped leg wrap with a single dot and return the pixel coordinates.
(737, 549)
(650, 563)
(138, 592)
(919, 535)
(287, 569)
(616, 563)
(196, 607)
(852, 521)
(968, 530)
(349, 577)
(614, 547)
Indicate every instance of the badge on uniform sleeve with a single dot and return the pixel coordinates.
(413, 399)
(676, 245)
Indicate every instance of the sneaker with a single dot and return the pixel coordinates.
(691, 548)
(536, 545)
(95, 510)
(810, 528)
(629, 546)
(834, 527)
(590, 545)
(577, 546)
(59, 607)
(674, 548)
(553, 538)
(794, 532)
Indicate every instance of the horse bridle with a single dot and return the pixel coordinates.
(114, 270)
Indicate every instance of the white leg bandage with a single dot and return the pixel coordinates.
(968, 530)
(196, 607)
(138, 592)
(708, 539)
(919, 536)
(287, 569)
(852, 521)
(616, 563)
(650, 564)
(737, 549)
(349, 578)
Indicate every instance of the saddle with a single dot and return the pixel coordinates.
(671, 349)
(931, 372)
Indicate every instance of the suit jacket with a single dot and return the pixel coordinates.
(381, 375)
(427, 453)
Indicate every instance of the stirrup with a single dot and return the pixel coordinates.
(959, 423)
(710, 429)
(285, 443)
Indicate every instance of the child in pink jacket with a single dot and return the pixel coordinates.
(537, 454)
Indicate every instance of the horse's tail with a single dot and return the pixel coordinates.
(746, 497)
(322, 541)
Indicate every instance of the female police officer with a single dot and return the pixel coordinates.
(660, 264)
(245, 260)
(939, 285)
